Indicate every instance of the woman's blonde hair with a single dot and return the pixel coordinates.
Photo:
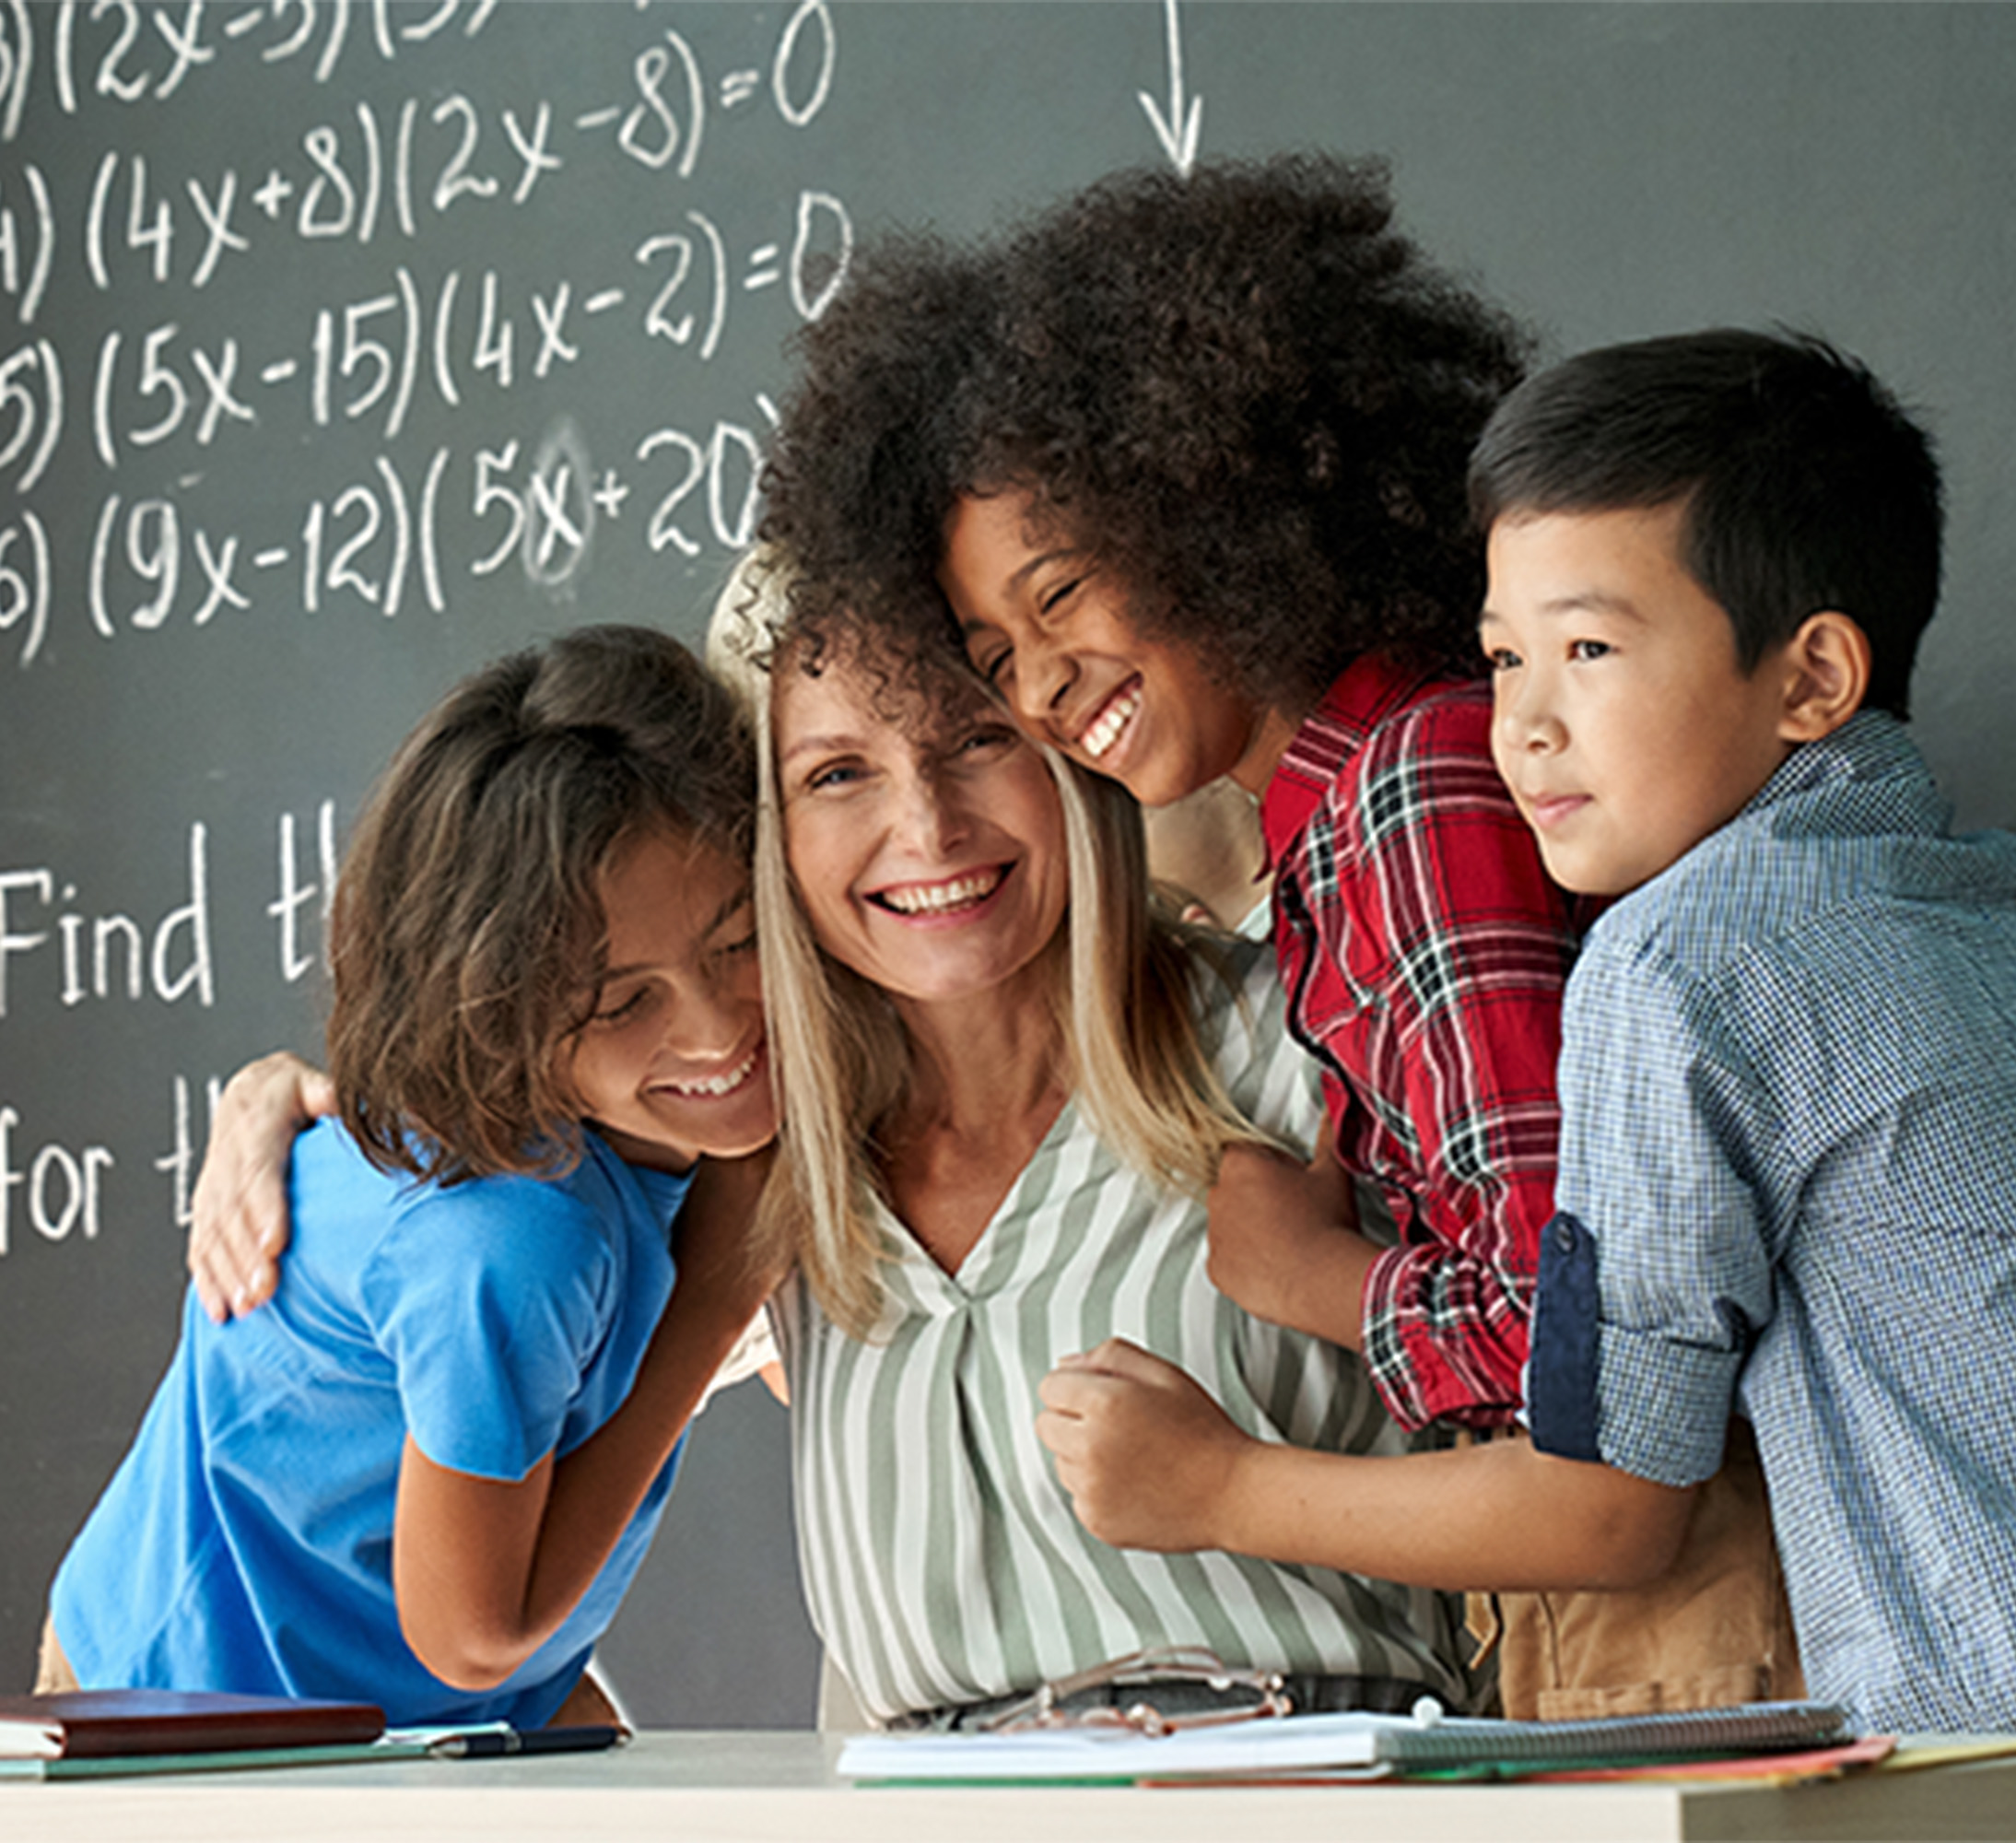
(1121, 989)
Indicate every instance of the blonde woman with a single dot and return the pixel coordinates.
(1004, 1084)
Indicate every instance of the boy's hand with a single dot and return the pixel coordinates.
(1147, 1457)
(238, 1224)
(1285, 1242)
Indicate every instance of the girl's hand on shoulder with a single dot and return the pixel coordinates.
(1149, 1460)
(238, 1224)
(1285, 1243)
(721, 1263)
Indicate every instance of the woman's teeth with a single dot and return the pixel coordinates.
(935, 899)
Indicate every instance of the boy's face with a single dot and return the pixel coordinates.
(1622, 724)
(1053, 634)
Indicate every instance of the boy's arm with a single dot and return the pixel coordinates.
(485, 1571)
(1151, 1462)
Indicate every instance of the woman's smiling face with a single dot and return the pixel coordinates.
(930, 855)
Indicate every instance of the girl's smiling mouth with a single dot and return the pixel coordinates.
(1098, 736)
(715, 1087)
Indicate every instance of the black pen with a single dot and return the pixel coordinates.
(491, 1745)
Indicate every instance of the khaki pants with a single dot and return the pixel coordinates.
(53, 1670)
(1714, 1629)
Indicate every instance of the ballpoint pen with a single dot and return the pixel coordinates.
(494, 1743)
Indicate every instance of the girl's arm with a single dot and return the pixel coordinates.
(238, 1213)
(485, 1571)
(1151, 1462)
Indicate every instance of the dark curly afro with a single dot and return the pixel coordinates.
(866, 465)
(1244, 392)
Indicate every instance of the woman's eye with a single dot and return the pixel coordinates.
(840, 774)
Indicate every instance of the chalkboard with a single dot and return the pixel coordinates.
(345, 346)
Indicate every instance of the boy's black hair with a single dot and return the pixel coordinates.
(1807, 485)
(1246, 393)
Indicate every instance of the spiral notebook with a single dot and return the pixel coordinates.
(1370, 1746)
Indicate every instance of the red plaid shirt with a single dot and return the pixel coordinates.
(1424, 952)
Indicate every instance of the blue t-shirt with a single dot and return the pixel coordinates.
(1788, 1188)
(245, 1542)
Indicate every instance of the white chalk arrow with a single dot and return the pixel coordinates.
(1177, 130)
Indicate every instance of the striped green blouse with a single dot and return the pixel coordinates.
(942, 1563)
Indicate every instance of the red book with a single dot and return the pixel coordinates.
(101, 1723)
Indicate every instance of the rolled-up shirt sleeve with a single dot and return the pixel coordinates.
(1656, 1275)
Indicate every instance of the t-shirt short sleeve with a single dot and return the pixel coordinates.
(491, 1299)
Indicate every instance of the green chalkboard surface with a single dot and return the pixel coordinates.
(344, 344)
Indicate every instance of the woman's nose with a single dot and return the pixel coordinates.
(930, 819)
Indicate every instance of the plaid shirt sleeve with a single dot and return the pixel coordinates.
(1437, 952)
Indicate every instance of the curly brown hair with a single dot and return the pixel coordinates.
(1246, 393)
(467, 937)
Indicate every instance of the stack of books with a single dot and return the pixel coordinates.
(95, 1732)
(1306, 1749)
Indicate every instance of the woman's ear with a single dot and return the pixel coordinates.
(1826, 676)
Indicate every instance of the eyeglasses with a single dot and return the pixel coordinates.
(1047, 1707)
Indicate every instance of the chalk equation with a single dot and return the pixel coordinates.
(171, 331)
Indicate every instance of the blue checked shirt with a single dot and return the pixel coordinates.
(1787, 1190)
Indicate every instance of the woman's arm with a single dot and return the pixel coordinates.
(1151, 1462)
(485, 1571)
(238, 1213)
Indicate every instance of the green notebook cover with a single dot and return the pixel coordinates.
(237, 1759)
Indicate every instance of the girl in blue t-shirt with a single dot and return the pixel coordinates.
(425, 1477)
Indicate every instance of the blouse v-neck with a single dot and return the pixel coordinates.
(967, 1279)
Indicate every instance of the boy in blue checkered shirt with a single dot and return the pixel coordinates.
(1788, 1172)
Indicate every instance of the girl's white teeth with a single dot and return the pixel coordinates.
(1101, 734)
(717, 1086)
(934, 898)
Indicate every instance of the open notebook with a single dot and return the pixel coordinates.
(1353, 1744)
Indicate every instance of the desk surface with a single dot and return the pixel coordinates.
(757, 1787)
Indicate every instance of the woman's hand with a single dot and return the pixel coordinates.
(1149, 1459)
(238, 1224)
